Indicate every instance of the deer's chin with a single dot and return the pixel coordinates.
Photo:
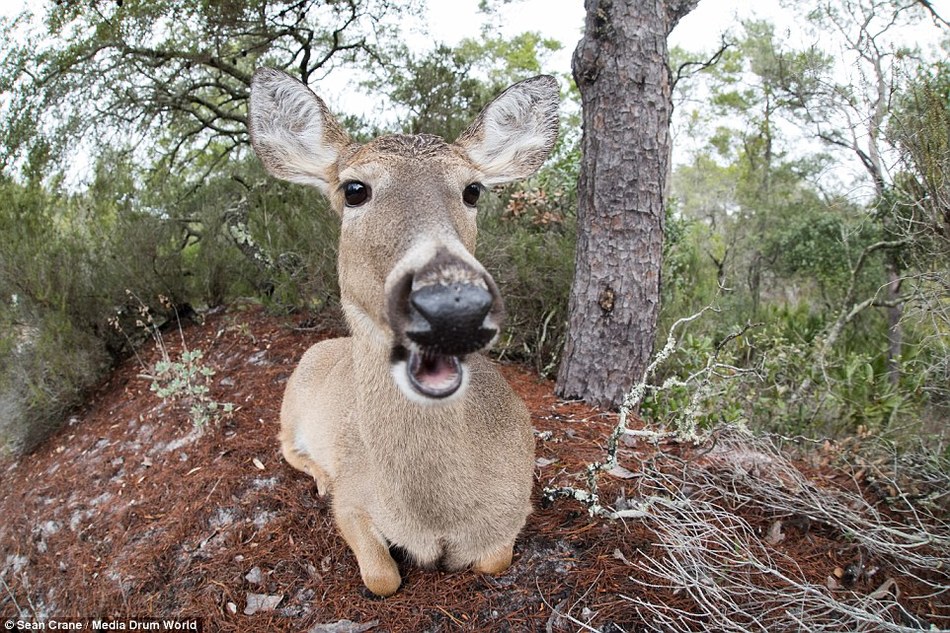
(427, 377)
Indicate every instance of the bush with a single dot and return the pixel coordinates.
(44, 371)
(298, 231)
(768, 379)
(66, 263)
(526, 241)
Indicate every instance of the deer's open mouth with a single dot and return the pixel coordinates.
(434, 375)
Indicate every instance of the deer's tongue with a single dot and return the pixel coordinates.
(434, 375)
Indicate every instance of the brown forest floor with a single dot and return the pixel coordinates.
(127, 512)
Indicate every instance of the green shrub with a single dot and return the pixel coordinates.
(298, 231)
(65, 263)
(759, 377)
(526, 241)
(45, 369)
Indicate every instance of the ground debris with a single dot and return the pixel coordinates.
(255, 577)
(344, 626)
(127, 525)
(257, 602)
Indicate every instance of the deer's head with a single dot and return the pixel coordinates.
(408, 277)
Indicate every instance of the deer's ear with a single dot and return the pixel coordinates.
(292, 131)
(515, 133)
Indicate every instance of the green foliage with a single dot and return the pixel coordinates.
(506, 61)
(63, 271)
(806, 267)
(187, 379)
(920, 128)
(175, 72)
(297, 226)
(245, 234)
(758, 374)
(45, 368)
(444, 89)
(817, 245)
(530, 256)
(751, 232)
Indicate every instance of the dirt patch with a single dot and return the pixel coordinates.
(128, 511)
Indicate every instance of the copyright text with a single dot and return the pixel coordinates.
(105, 624)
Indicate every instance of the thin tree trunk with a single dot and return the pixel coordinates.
(620, 66)
(755, 284)
(895, 313)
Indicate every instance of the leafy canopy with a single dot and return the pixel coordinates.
(173, 74)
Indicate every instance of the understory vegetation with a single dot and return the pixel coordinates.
(829, 310)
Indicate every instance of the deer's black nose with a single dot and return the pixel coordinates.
(449, 318)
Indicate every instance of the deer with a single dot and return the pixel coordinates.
(421, 444)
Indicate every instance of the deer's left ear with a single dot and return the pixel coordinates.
(515, 133)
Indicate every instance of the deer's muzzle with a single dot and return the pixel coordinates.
(446, 309)
(450, 319)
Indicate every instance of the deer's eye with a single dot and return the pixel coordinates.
(471, 193)
(355, 193)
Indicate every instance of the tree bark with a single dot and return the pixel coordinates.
(620, 66)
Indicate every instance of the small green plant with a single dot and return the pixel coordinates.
(186, 379)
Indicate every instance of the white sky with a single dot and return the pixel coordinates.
(449, 21)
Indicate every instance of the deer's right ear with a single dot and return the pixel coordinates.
(292, 131)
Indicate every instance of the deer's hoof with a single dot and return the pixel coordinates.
(494, 563)
(383, 583)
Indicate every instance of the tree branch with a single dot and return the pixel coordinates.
(206, 59)
(712, 61)
(933, 12)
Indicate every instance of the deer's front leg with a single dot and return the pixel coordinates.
(377, 568)
(303, 463)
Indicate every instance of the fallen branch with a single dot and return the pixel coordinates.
(739, 580)
(687, 428)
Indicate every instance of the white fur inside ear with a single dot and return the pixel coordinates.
(515, 133)
(292, 130)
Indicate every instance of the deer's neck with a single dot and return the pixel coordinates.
(382, 407)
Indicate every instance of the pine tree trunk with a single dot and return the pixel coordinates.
(620, 66)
